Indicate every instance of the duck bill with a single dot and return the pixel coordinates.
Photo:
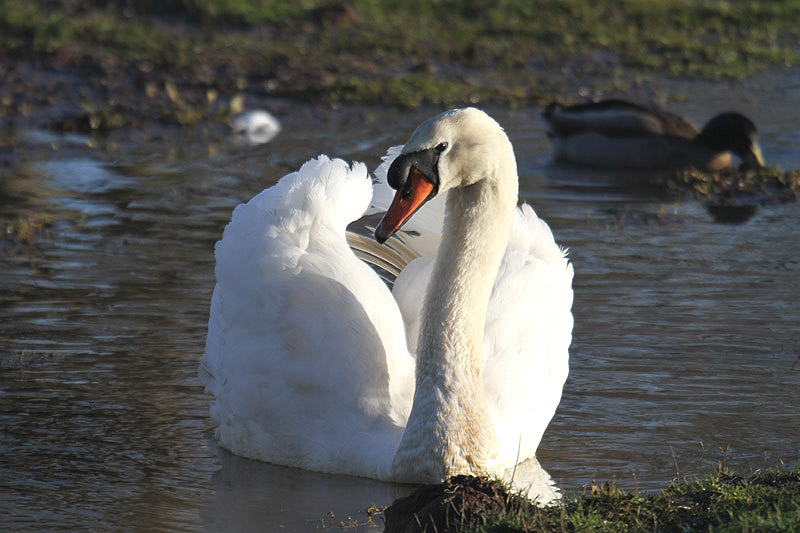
(405, 203)
(758, 159)
(753, 158)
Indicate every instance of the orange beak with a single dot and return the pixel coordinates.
(405, 203)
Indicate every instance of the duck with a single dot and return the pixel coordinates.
(316, 362)
(620, 134)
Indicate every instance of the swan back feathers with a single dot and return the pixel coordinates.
(323, 192)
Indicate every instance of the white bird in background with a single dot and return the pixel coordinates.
(315, 364)
(256, 126)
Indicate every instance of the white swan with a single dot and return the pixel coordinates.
(307, 353)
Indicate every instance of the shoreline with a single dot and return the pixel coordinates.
(95, 68)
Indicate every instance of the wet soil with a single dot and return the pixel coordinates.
(460, 502)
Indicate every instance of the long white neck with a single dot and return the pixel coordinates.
(450, 430)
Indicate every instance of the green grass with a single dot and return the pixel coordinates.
(408, 53)
(766, 501)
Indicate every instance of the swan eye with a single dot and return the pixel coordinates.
(441, 147)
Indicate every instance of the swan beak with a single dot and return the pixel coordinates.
(416, 191)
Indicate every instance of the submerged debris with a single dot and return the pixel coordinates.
(739, 187)
(20, 236)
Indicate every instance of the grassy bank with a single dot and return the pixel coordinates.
(765, 501)
(406, 53)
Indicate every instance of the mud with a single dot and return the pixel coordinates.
(459, 502)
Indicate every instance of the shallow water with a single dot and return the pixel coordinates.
(685, 350)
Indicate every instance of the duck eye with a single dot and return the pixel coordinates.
(441, 147)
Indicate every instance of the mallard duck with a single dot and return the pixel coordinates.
(616, 133)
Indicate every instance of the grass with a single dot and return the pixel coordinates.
(187, 61)
(406, 53)
(767, 500)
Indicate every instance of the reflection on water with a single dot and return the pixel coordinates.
(250, 494)
(685, 336)
(732, 214)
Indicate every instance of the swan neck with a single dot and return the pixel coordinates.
(450, 429)
(475, 236)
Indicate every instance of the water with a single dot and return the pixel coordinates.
(685, 349)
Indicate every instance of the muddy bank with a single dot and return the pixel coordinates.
(460, 503)
(764, 500)
(94, 66)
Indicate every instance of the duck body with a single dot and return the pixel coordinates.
(315, 363)
(621, 134)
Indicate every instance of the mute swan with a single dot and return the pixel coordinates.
(307, 354)
(616, 133)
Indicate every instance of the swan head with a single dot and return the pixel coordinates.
(456, 148)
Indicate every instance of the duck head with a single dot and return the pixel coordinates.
(736, 133)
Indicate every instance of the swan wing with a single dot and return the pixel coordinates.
(527, 336)
(305, 353)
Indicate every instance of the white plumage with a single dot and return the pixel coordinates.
(256, 126)
(307, 353)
